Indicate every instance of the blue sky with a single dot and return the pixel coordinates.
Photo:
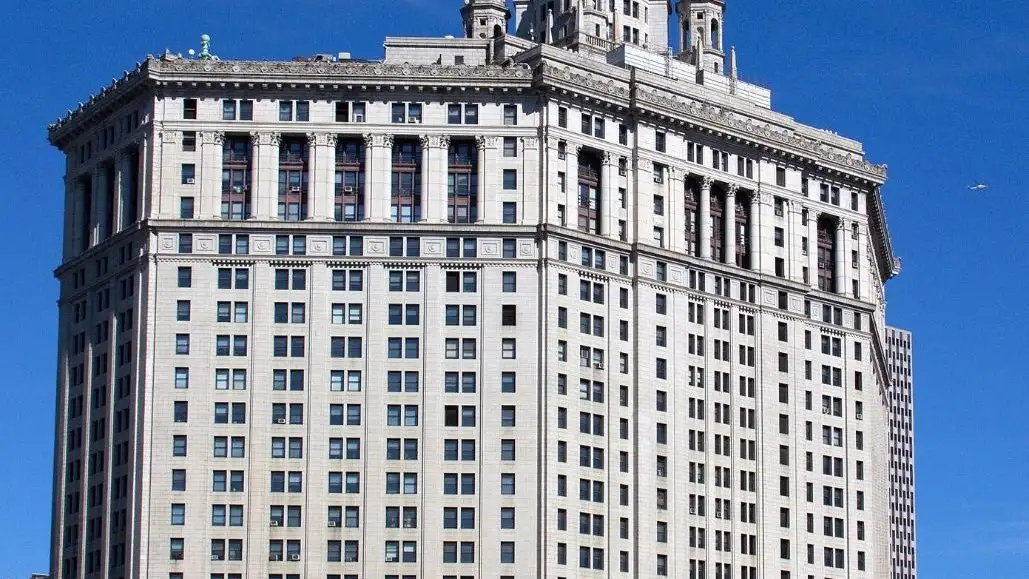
(936, 89)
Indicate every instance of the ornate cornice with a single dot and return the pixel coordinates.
(565, 75)
(758, 129)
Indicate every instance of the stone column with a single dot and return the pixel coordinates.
(842, 257)
(705, 218)
(754, 235)
(264, 179)
(99, 209)
(434, 175)
(489, 180)
(144, 201)
(675, 216)
(572, 186)
(864, 268)
(321, 181)
(644, 197)
(607, 193)
(209, 176)
(812, 247)
(528, 201)
(71, 194)
(730, 225)
(378, 180)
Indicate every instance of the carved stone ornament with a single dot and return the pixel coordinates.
(731, 191)
(331, 139)
(486, 142)
(212, 137)
(170, 136)
(435, 141)
(530, 142)
(314, 139)
(606, 158)
(266, 139)
(707, 182)
(645, 165)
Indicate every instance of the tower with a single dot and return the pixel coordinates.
(484, 18)
(701, 22)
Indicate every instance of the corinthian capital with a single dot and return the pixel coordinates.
(707, 182)
(486, 142)
(212, 137)
(731, 191)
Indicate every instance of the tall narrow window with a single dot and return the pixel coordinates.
(293, 174)
(826, 255)
(717, 223)
(350, 168)
(462, 182)
(589, 192)
(740, 236)
(406, 186)
(236, 169)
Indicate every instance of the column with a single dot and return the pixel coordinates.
(434, 175)
(754, 235)
(489, 177)
(264, 181)
(572, 185)
(99, 209)
(71, 193)
(796, 230)
(529, 201)
(144, 176)
(842, 257)
(705, 218)
(863, 271)
(675, 216)
(209, 176)
(730, 225)
(378, 180)
(644, 197)
(321, 181)
(607, 193)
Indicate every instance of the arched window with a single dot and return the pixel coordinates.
(716, 36)
(497, 31)
(827, 254)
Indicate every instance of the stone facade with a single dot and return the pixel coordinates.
(550, 313)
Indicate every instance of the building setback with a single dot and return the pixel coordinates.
(548, 303)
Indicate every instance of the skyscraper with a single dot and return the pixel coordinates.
(554, 303)
(902, 453)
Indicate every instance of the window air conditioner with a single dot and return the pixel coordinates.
(190, 181)
(348, 189)
(358, 117)
(294, 557)
(391, 558)
(216, 558)
(859, 416)
(295, 189)
(718, 515)
(414, 120)
(237, 189)
(273, 523)
(778, 211)
(622, 172)
(826, 411)
(659, 179)
(332, 523)
(275, 557)
(598, 365)
(693, 511)
(280, 421)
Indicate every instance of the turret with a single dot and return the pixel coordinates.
(700, 24)
(485, 18)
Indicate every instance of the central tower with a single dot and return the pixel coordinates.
(700, 30)
(484, 18)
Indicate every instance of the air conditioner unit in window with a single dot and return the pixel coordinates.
(332, 523)
(718, 515)
(273, 523)
(216, 557)
(414, 120)
(294, 189)
(190, 181)
(294, 557)
(778, 211)
(275, 557)
(348, 189)
(358, 117)
(391, 558)
(659, 179)
(598, 365)
(826, 411)
(693, 511)
(280, 421)
(859, 416)
(237, 189)
(622, 172)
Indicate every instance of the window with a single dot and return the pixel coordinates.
(510, 115)
(510, 147)
(188, 173)
(189, 108)
(510, 179)
(659, 141)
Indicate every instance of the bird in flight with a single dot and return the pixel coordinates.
(978, 187)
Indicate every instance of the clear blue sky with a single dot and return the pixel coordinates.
(936, 89)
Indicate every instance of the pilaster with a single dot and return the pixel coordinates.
(528, 201)
(378, 176)
(812, 247)
(757, 217)
(434, 173)
(675, 215)
(572, 185)
(842, 257)
(607, 194)
(645, 186)
(489, 178)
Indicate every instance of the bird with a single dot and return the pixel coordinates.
(978, 187)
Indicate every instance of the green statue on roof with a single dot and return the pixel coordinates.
(205, 48)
